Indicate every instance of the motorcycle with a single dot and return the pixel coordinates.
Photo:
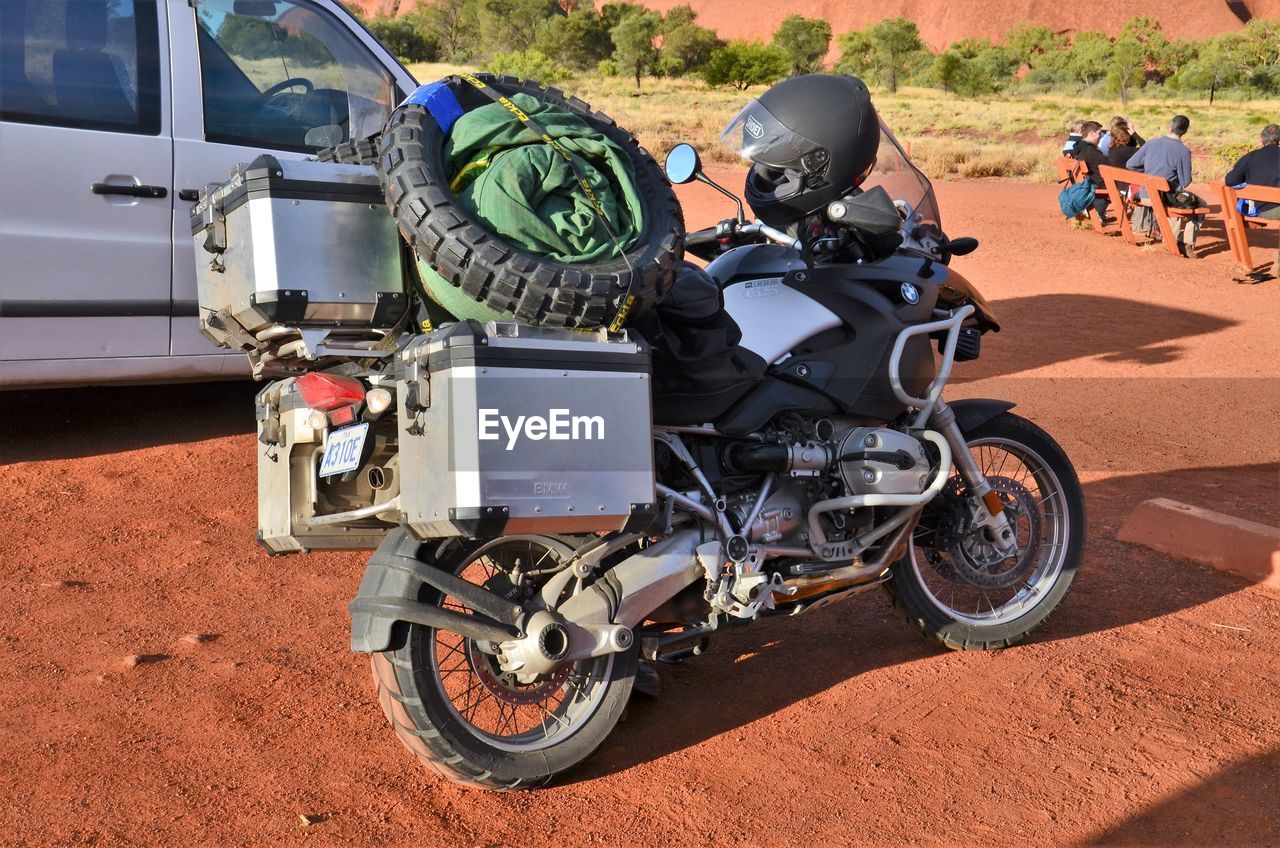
(504, 660)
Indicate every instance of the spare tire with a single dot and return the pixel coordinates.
(477, 261)
(362, 151)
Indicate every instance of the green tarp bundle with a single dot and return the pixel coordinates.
(524, 191)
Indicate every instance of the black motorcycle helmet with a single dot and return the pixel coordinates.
(810, 140)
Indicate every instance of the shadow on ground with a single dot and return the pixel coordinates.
(752, 672)
(70, 423)
(1234, 807)
(1054, 328)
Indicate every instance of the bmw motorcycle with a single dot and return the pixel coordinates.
(843, 469)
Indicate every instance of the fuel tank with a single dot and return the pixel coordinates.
(773, 318)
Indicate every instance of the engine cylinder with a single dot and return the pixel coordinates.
(881, 461)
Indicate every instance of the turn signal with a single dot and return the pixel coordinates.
(327, 392)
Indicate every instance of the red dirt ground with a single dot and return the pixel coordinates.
(1144, 713)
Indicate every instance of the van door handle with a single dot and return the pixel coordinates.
(190, 195)
(130, 190)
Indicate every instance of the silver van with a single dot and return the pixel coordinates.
(113, 114)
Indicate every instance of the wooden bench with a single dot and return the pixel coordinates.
(1238, 225)
(1154, 199)
(1071, 171)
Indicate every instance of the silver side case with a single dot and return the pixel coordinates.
(496, 437)
(290, 273)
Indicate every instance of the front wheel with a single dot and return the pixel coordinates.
(953, 585)
(454, 707)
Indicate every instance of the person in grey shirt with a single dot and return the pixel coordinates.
(1168, 157)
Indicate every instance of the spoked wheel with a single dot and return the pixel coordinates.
(454, 706)
(955, 585)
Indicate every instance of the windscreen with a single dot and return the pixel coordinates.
(902, 180)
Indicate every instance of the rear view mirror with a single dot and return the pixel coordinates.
(254, 8)
(682, 165)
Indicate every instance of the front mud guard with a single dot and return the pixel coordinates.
(972, 413)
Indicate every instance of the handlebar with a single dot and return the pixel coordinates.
(731, 229)
(700, 236)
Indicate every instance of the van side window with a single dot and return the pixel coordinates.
(90, 64)
(286, 75)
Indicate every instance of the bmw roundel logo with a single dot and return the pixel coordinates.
(910, 293)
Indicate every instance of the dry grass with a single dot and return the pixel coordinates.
(1014, 136)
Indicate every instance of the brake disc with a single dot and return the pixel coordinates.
(504, 685)
(978, 562)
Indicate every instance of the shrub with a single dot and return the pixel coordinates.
(804, 41)
(529, 64)
(742, 64)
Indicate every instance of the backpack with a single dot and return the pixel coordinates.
(1076, 198)
(1247, 208)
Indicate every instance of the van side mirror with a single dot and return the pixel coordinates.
(682, 165)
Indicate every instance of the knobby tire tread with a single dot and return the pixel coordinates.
(931, 622)
(488, 270)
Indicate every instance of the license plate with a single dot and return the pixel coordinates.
(342, 450)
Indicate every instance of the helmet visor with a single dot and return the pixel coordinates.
(757, 136)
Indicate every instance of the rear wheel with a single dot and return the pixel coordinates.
(954, 585)
(454, 707)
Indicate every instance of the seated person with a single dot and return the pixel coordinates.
(1087, 152)
(1261, 167)
(1124, 142)
(1069, 146)
(1170, 158)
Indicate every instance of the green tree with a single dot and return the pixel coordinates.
(1155, 46)
(968, 75)
(578, 41)
(1089, 58)
(504, 25)
(1222, 63)
(994, 63)
(613, 13)
(678, 16)
(948, 67)
(742, 64)
(1262, 42)
(1027, 42)
(529, 64)
(804, 41)
(1180, 53)
(452, 25)
(897, 45)
(687, 47)
(857, 54)
(1128, 67)
(633, 48)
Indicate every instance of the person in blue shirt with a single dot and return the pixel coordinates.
(1168, 157)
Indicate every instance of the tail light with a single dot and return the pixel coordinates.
(327, 392)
